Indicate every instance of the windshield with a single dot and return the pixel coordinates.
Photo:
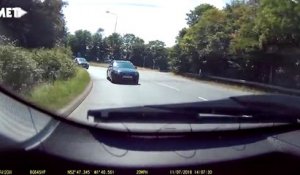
(82, 59)
(124, 65)
(182, 52)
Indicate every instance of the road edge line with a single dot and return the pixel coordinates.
(168, 86)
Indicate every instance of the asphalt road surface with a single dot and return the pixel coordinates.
(154, 88)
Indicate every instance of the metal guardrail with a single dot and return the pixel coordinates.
(247, 83)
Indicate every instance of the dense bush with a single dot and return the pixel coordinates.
(21, 69)
(17, 70)
(55, 63)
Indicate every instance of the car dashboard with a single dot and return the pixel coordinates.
(74, 150)
(47, 144)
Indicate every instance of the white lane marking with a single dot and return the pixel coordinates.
(165, 85)
(202, 98)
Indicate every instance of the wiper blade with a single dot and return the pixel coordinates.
(245, 109)
(141, 114)
(241, 105)
(154, 115)
(173, 113)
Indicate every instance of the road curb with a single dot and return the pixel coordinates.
(66, 111)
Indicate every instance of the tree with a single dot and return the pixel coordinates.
(196, 14)
(133, 49)
(277, 22)
(210, 39)
(81, 43)
(42, 26)
(277, 27)
(181, 55)
(177, 59)
(241, 19)
(157, 54)
(114, 46)
(97, 50)
(257, 40)
(244, 48)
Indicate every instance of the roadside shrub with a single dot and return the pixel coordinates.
(17, 70)
(55, 63)
(68, 66)
(22, 69)
(7, 41)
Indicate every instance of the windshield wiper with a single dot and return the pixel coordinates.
(128, 116)
(245, 109)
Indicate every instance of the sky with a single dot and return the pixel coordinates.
(147, 19)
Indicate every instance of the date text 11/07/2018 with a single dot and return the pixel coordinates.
(191, 172)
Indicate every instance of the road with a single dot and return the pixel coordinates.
(154, 88)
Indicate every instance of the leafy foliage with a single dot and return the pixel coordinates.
(21, 69)
(157, 53)
(277, 22)
(17, 71)
(195, 15)
(80, 42)
(54, 64)
(42, 26)
(128, 47)
(256, 40)
(133, 49)
(114, 44)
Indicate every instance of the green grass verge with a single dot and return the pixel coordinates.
(57, 95)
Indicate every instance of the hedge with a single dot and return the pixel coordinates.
(22, 69)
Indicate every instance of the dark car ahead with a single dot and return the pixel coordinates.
(119, 70)
(82, 62)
